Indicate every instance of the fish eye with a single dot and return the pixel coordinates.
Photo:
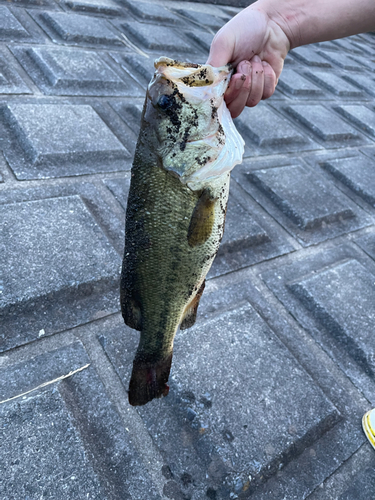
(165, 102)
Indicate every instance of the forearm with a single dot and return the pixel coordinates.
(310, 21)
(257, 40)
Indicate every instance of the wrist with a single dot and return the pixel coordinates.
(276, 43)
(283, 21)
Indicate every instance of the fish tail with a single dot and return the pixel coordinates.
(149, 380)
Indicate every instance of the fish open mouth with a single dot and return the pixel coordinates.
(166, 61)
(193, 75)
(194, 84)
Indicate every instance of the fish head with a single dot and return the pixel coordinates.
(193, 133)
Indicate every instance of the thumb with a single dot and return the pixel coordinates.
(221, 50)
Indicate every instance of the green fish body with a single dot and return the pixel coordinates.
(175, 213)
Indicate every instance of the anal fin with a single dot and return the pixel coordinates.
(131, 312)
(190, 314)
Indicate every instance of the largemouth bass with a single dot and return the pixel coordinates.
(176, 211)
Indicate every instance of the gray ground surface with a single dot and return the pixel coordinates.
(268, 389)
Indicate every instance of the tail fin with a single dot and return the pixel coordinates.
(149, 381)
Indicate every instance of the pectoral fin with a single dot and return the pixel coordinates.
(202, 220)
(190, 315)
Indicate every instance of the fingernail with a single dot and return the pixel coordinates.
(246, 68)
(256, 59)
(264, 63)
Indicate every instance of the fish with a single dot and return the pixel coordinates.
(175, 212)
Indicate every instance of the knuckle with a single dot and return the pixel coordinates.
(253, 101)
(269, 71)
(268, 93)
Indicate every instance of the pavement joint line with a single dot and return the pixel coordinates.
(364, 449)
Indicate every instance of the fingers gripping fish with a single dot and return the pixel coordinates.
(176, 209)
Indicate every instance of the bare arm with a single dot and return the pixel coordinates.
(307, 22)
(258, 39)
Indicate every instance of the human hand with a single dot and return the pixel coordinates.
(256, 46)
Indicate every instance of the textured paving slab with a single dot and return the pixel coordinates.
(16, 26)
(44, 263)
(27, 376)
(322, 122)
(103, 208)
(203, 18)
(11, 28)
(367, 243)
(138, 66)
(202, 38)
(276, 183)
(358, 173)
(249, 236)
(295, 84)
(310, 57)
(267, 131)
(335, 84)
(96, 6)
(341, 60)
(320, 293)
(64, 71)
(156, 38)
(50, 4)
(354, 480)
(363, 486)
(348, 46)
(78, 29)
(10, 80)
(364, 82)
(361, 116)
(152, 12)
(54, 140)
